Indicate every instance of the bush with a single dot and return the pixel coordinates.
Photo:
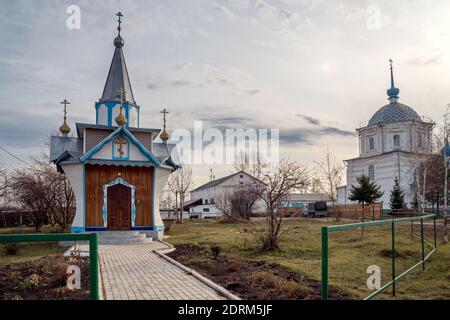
(12, 249)
(60, 273)
(234, 265)
(168, 224)
(29, 283)
(215, 250)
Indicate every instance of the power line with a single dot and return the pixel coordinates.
(15, 157)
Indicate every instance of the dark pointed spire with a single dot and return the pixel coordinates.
(392, 91)
(118, 77)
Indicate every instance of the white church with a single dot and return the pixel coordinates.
(389, 147)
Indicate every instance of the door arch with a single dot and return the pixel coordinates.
(132, 202)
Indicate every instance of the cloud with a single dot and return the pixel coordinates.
(427, 59)
(223, 10)
(310, 120)
(280, 19)
(230, 122)
(310, 136)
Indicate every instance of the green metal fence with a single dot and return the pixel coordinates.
(93, 251)
(395, 278)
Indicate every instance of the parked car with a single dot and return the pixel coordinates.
(316, 209)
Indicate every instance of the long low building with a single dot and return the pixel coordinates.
(203, 203)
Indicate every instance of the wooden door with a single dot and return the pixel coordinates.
(119, 207)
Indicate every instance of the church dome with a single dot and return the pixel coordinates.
(394, 112)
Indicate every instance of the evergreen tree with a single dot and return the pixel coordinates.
(415, 202)
(366, 192)
(397, 197)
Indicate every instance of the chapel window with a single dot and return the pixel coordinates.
(371, 144)
(396, 140)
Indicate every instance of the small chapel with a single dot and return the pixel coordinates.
(116, 169)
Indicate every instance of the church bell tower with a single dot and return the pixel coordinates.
(118, 95)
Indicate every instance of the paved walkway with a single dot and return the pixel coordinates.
(135, 272)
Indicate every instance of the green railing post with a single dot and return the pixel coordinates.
(324, 291)
(434, 227)
(393, 259)
(93, 266)
(423, 244)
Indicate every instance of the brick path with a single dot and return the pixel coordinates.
(134, 272)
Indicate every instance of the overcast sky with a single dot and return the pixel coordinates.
(315, 69)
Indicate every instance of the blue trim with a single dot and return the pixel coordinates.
(94, 229)
(105, 200)
(84, 195)
(135, 141)
(157, 228)
(120, 163)
(78, 229)
(110, 107)
(153, 195)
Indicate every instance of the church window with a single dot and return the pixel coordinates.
(396, 140)
(371, 144)
(419, 140)
(206, 201)
(206, 210)
(372, 172)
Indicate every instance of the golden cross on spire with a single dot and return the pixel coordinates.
(65, 129)
(164, 135)
(121, 120)
(65, 102)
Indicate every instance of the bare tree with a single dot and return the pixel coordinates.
(62, 210)
(330, 173)
(237, 204)
(279, 182)
(441, 136)
(3, 192)
(422, 156)
(179, 183)
(254, 167)
(44, 193)
(3, 181)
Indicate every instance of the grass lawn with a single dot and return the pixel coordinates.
(349, 255)
(29, 251)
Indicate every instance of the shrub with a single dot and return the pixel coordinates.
(12, 249)
(234, 265)
(215, 250)
(29, 283)
(60, 273)
(168, 224)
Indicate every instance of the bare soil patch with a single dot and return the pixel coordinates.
(43, 279)
(251, 280)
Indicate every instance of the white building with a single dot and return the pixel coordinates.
(203, 198)
(389, 148)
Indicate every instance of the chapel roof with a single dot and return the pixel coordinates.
(394, 111)
(118, 78)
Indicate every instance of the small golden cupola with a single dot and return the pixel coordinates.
(164, 135)
(121, 120)
(65, 129)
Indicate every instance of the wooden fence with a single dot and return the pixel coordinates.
(355, 211)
